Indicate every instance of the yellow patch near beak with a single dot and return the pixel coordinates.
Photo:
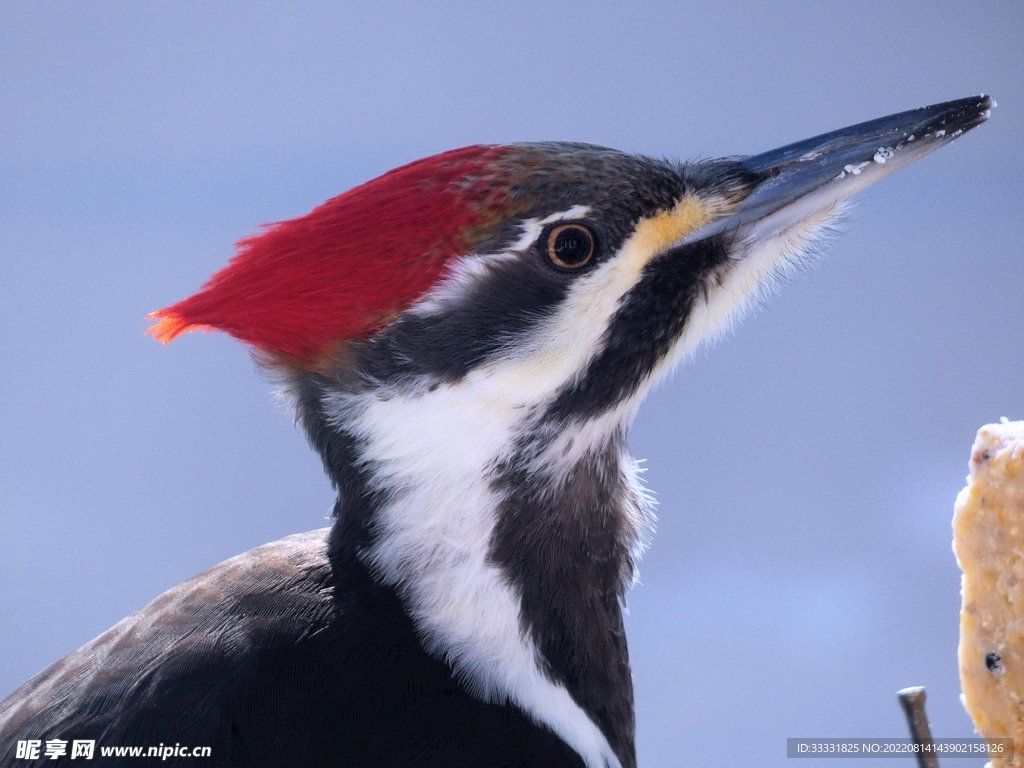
(658, 232)
(665, 228)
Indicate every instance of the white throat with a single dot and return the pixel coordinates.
(432, 455)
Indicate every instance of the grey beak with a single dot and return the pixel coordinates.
(808, 176)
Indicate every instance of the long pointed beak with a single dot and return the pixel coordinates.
(801, 179)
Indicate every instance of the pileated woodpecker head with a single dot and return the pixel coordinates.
(466, 340)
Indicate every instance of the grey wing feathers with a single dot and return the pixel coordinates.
(272, 595)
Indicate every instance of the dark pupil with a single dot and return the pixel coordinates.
(572, 245)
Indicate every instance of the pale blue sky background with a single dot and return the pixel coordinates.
(806, 467)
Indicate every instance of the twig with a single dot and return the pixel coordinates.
(912, 700)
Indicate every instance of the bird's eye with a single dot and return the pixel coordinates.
(570, 246)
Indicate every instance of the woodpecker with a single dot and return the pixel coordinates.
(465, 340)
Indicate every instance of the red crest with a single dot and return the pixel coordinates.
(347, 267)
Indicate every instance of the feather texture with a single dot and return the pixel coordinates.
(346, 268)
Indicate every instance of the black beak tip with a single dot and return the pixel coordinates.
(960, 115)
